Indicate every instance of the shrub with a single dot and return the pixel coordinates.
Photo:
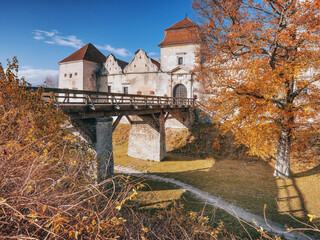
(47, 182)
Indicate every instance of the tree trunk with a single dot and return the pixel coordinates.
(282, 168)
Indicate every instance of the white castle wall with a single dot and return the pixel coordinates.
(170, 54)
(90, 78)
(73, 81)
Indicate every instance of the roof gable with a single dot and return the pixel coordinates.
(184, 23)
(87, 52)
(142, 63)
(121, 64)
(113, 65)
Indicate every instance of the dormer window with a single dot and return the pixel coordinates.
(180, 60)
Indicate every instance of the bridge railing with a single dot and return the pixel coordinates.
(93, 98)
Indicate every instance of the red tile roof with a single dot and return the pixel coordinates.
(155, 62)
(185, 23)
(182, 32)
(87, 52)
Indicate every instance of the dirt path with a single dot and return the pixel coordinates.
(211, 199)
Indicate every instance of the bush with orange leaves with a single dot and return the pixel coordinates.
(47, 187)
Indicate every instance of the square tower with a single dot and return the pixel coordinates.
(180, 45)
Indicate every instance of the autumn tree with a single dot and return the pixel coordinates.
(51, 81)
(259, 66)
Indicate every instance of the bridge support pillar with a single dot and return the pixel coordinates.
(99, 132)
(147, 137)
(104, 149)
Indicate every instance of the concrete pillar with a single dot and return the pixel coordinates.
(147, 137)
(99, 131)
(104, 149)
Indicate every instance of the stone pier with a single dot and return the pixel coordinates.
(99, 131)
(147, 137)
(104, 149)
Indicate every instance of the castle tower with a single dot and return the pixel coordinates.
(80, 70)
(178, 55)
(180, 44)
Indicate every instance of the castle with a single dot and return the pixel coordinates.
(89, 69)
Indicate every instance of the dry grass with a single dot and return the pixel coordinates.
(230, 173)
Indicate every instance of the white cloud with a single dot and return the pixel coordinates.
(119, 51)
(54, 37)
(49, 42)
(71, 41)
(38, 37)
(37, 76)
(153, 54)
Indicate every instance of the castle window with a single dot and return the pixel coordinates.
(70, 75)
(75, 74)
(109, 89)
(65, 75)
(180, 60)
(125, 90)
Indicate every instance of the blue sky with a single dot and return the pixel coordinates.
(42, 33)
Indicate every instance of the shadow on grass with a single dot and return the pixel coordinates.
(200, 141)
(310, 172)
(228, 172)
(157, 197)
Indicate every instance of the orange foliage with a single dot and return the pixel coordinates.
(216, 144)
(47, 181)
(47, 177)
(259, 64)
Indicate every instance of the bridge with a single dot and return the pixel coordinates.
(92, 115)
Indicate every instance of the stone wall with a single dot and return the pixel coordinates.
(147, 138)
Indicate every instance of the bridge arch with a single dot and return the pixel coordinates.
(180, 91)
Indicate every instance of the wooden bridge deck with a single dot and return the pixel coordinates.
(88, 104)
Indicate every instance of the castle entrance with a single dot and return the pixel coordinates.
(180, 91)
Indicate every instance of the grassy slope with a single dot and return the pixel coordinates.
(229, 172)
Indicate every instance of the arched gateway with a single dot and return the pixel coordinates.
(180, 91)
